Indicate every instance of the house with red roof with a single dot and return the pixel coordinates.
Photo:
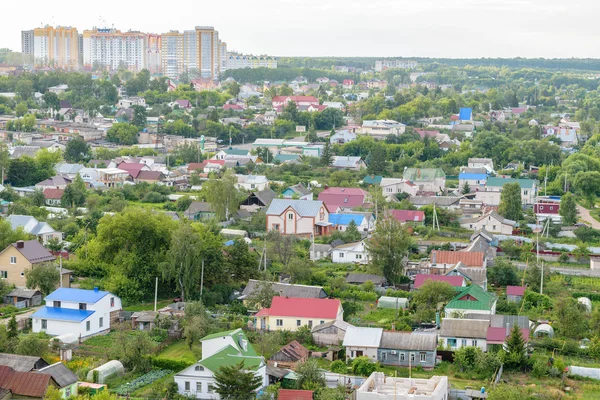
(133, 169)
(283, 101)
(185, 104)
(411, 217)
(294, 394)
(425, 133)
(348, 83)
(24, 385)
(291, 313)
(234, 107)
(53, 197)
(515, 293)
(448, 259)
(336, 197)
(316, 107)
(456, 281)
(497, 335)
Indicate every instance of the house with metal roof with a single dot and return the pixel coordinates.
(490, 194)
(491, 222)
(474, 181)
(24, 385)
(289, 356)
(258, 199)
(410, 217)
(471, 300)
(65, 379)
(431, 180)
(348, 162)
(20, 257)
(298, 191)
(298, 217)
(465, 114)
(341, 221)
(21, 363)
(360, 279)
(457, 332)
(336, 197)
(199, 210)
(79, 311)
(382, 127)
(408, 348)
(42, 230)
(291, 313)
(351, 253)
(284, 289)
(360, 342)
(222, 349)
(390, 187)
(252, 182)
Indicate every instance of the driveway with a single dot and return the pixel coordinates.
(585, 215)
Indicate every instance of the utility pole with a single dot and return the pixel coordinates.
(202, 279)
(155, 293)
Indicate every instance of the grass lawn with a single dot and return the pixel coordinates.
(148, 306)
(178, 351)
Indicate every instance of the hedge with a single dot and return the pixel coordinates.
(170, 364)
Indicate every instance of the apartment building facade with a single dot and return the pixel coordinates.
(110, 48)
(56, 47)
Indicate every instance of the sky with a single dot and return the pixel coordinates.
(367, 28)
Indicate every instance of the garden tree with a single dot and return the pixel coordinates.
(299, 271)
(122, 133)
(32, 344)
(24, 171)
(75, 194)
(213, 115)
(132, 349)
(196, 323)
(516, 357)
(24, 89)
(388, 248)
(264, 154)
(429, 296)
(234, 89)
(130, 246)
(568, 209)
(77, 150)
(533, 278)
(587, 183)
(262, 296)
(465, 358)
(8, 235)
(570, 317)
(235, 382)
(186, 153)
(183, 203)
(54, 244)
(282, 246)
(377, 160)
(222, 194)
(510, 202)
(139, 116)
(363, 366)
(38, 199)
(466, 189)
(504, 273)
(6, 344)
(13, 328)
(327, 155)
(310, 376)
(241, 262)
(352, 234)
(311, 135)
(183, 263)
(52, 102)
(21, 109)
(46, 278)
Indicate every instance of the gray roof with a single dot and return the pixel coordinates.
(299, 189)
(464, 328)
(62, 375)
(23, 293)
(501, 321)
(305, 208)
(199, 206)
(144, 316)
(345, 161)
(341, 325)
(56, 181)
(362, 278)
(265, 196)
(34, 252)
(21, 363)
(442, 201)
(287, 290)
(477, 170)
(409, 341)
(477, 276)
(29, 224)
(21, 151)
(66, 169)
(492, 214)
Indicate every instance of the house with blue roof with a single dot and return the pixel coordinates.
(465, 114)
(474, 180)
(79, 311)
(365, 222)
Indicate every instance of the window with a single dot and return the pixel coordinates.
(112, 301)
(275, 227)
(422, 357)
(279, 322)
(322, 322)
(3, 274)
(101, 322)
(412, 357)
(211, 389)
(88, 326)
(44, 324)
(474, 342)
(525, 192)
(494, 227)
(198, 387)
(290, 216)
(359, 256)
(199, 368)
(68, 391)
(187, 386)
(82, 306)
(402, 357)
(359, 353)
(341, 255)
(310, 324)
(298, 322)
(56, 304)
(22, 274)
(13, 259)
(463, 343)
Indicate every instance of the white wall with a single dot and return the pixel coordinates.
(370, 352)
(481, 343)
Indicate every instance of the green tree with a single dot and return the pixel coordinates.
(504, 273)
(139, 116)
(75, 194)
(466, 189)
(184, 263)
(77, 150)
(264, 154)
(377, 160)
(327, 155)
(363, 366)
(132, 349)
(388, 248)
(510, 202)
(234, 89)
(568, 209)
(183, 203)
(32, 344)
(222, 194)
(262, 296)
(122, 133)
(430, 296)
(38, 199)
(241, 263)
(52, 102)
(8, 235)
(43, 277)
(516, 357)
(13, 328)
(310, 376)
(352, 234)
(234, 382)
(571, 319)
(24, 89)
(21, 109)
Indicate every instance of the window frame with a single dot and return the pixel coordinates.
(44, 323)
(13, 260)
(279, 322)
(88, 326)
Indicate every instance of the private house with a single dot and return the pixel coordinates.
(471, 300)
(486, 163)
(348, 162)
(21, 363)
(350, 253)
(252, 183)
(403, 349)
(455, 281)
(446, 202)
(23, 385)
(23, 256)
(41, 230)
(465, 115)
(430, 180)
(330, 333)
(258, 200)
(360, 279)
(56, 182)
(360, 342)
(456, 333)
(341, 221)
(225, 153)
(289, 356)
(379, 387)
(445, 259)
(393, 186)
(298, 217)
(133, 169)
(291, 313)
(491, 222)
(23, 298)
(319, 251)
(490, 194)
(77, 311)
(65, 379)
(297, 192)
(382, 127)
(410, 217)
(285, 290)
(474, 180)
(484, 242)
(515, 293)
(284, 101)
(474, 276)
(149, 177)
(53, 197)
(67, 169)
(341, 137)
(199, 210)
(547, 207)
(219, 350)
(336, 197)
(372, 180)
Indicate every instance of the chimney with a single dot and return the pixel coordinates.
(20, 244)
(281, 293)
(433, 257)
(96, 289)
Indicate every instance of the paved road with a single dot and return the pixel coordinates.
(566, 270)
(585, 215)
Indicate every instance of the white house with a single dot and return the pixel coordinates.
(456, 333)
(382, 127)
(298, 217)
(79, 311)
(252, 182)
(491, 222)
(490, 195)
(486, 163)
(393, 186)
(219, 350)
(351, 253)
(343, 136)
(132, 101)
(360, 342)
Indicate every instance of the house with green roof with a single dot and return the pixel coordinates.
(431, 180)
(220, 349)
(231, 152)
(471, 300)
(372, 179)
(490, 194)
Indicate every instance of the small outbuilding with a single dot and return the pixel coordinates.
(23, 298)
(106, 371)
(289, 356)
(543, 330)
(515, 293)
(395, 303)
(587, 303)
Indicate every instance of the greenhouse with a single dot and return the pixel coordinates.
(543, 330)
(392, 302)
(587, 303)
(106, 371)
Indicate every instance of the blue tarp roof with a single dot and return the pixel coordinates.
(473, 176)
(465, 114)
(62, 314)
(77, 295)
(229, 243)
(344, 219)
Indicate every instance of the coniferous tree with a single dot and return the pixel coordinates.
(236, 383)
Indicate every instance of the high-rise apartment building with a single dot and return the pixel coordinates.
(112, 49)
(27, 42)
(209, 59)
(152, 49)
(56, 47)
(241, 61)
(223, 54)
(172, 54)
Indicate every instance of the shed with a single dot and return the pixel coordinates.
(62, 375)
(105, 371)
(587, 303)
(392, 302)
(289, 356)
(543, 330)
(330, 333)
(359, 279)
(22, 363)
(23, 298)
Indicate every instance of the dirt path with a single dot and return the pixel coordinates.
(585, 215)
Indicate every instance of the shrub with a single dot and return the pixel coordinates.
(363, 366)
(168, 363)
(339, 367)
(154, 197)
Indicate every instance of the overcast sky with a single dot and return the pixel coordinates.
(390, 28)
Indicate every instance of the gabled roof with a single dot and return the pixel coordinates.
(77, 295)
(468, 258)
(493, 214)
(292, 352)
(499, 335)
(472, 298)
(340, 196)
(24, 294)
(302, 307)
(150, 175)
(133, 169)
(56, 181)
(197, 207)
(24, 384)
(305, 208)
(442, 201)
(341, 325)
(21, 363)
(408, 215)
(230, 356)
(29, 224)
(346, 161)
(362, 337)
(62, 375)
(515, 290)
(287, 290)
(408, 341)
(294, 394)
(464, 328)
(299, 189)
(345, 219)
(465, 114)
(372, 179)
(34, 252)
(423, 174)
(53, 194)
(62, 314)
(265, 196)
(456, 281)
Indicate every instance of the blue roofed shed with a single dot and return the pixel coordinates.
(465, 114)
